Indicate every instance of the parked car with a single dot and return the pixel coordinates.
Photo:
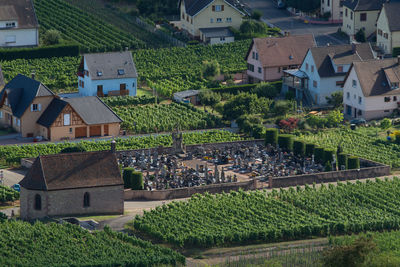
(359, 121)
(16, 187)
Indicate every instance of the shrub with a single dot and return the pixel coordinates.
(299, 147)
(271, 136)
(285, 142)
(137, 181)
(328, 155)
(353, 162)
(310, 149)
(385, 124)
(73, 149)
(342, 160)
(268, 90)
(70, 50)
(289, 124)
(319, 154)
(127, 177)
(51, 37)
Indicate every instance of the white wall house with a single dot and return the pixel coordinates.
(323, 71)
(334, 7)
(388, 27)
(371, 89)
(18, 24)
(107, 74)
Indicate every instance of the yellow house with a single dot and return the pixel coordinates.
(198, 15)
(360, 14)
(32, 109)
(388, 28)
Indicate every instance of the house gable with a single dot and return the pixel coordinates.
(75, 119)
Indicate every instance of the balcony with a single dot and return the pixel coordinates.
(118, 93)
(295, 79)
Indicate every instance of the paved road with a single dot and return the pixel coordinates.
(12, 177)
(281, 18)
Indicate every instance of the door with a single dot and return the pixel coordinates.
(106, 129)
(80, 132)
(95, 131)
(122, 86)
(100, 91)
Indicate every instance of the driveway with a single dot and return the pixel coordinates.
(281, 18)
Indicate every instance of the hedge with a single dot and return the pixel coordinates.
(319, 154)
(353, 162)
(328, 155)
(285, 142)
(70, 50)
(271, 136)
(299, 147)
(234, 89)
(310, 149)
(342, 161)
(137, 181)
(127, 177)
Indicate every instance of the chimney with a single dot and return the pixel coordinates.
(113, 146)
(33, 75)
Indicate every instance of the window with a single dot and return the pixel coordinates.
(256, 56)
(359, 112)
(86, 200)
(133, 85)
(259, 70)
(38, 202)
(315, 84)
(340, 69)
(354, 83)
(229, 20)
(363, 17)
(10, 24)
(380, 32)
(121, 72)
(279, 69)
(387, 99)
(183, 15)
(222, 39)
(70, 130)
(345, 13)
(18, 122)
(306, 66)
(191, 20)
(187, 18)
(348, 95)
(348, 110)
(67, 119)
(250, 67)
(359, 100)
(218, 8)
(327, 2)
(35, 107)
(351, 15)
(99, 73)
(219, 20)
(386, 35)
(394, 99)
(312, 68)
(211, 20)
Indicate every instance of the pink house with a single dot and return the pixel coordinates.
(267, 58)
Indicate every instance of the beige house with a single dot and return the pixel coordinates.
(371, 89)
(388, 29)
(198, 15)
(360, 14)
(267, 58)
(32, 109)
(84, 183)
(334, 8)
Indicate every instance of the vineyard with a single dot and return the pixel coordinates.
(59, 74)
(11, 155)
(164, 118)
(24, 244)
(241, 217)
(358, 143)
(170, 70)
(76, 25)
(8, 194)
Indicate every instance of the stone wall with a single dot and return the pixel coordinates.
(189, 191)
(103, 200)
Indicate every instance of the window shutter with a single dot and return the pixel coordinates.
(222, 8)
(31, 107)
(213, 8)
(39, 107)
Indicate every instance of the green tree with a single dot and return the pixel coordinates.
(282, 107)
(51, 37)
(336, 99)
(257, 14)
(209, 98)
(360, 36)
(210, 69)
(335, 117)
(252, 28)
(243, 103)
(265, 89)
(385, 124)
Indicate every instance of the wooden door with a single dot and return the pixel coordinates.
(95, 131)
(100, 91)
(106, 129)
(122, 86)
(80, 132)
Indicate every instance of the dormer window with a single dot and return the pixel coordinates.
(99, 73)
(340, 69)
(35, 107)
(121, 72)
(395, 85)
(10, 24)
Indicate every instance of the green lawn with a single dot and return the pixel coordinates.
(143, 91)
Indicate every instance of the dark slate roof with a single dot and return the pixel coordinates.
(193, 7)
(109, 65)
(373, 76)
(364, 5)
(73, 170)
(216, 32)
(21, 91)
(392, 11)
(90, 108)
(20, 10)
(341, 55)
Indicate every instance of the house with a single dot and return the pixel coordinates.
(18, 23)
(107, 74)
(188, 96)
(85, 183)
(388, 27)
(198, 15)
(323, 71)
(32, 109)
(334, 8)
(267, 58)
(371, 89)
(360, 14)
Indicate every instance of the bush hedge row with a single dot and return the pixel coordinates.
(69, 50)
(234, 89)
